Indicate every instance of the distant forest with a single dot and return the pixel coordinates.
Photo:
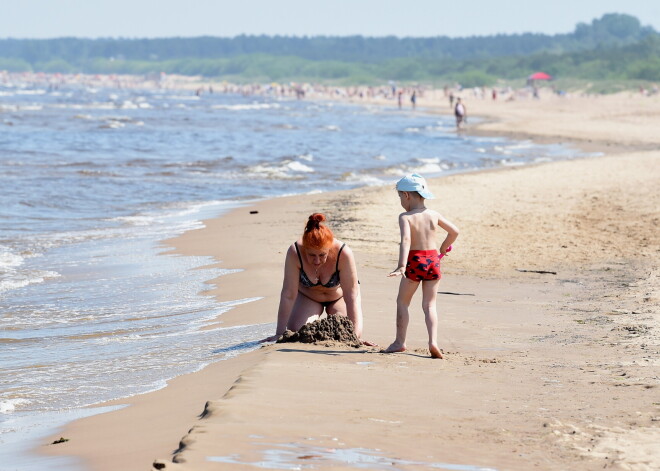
(614, 47)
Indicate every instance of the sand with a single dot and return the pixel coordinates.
(541, 371)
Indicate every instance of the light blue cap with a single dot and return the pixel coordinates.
(415, 182)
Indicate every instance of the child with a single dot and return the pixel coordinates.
(419, 259)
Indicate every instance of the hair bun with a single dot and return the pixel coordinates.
(314, 221)
(316, 235)
(318, 217)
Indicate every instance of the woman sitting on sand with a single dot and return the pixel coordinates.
(319, 274)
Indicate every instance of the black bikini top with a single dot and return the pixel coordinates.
(332, 282)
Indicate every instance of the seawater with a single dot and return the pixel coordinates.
(92, 306)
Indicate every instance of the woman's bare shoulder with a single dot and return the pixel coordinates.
(345, 249)
(292, 248)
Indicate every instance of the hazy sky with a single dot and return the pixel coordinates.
(166, 18)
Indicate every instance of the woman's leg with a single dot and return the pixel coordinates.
(304, 310)
(337, 308)
(429, 295)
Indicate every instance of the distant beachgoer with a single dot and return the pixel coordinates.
(319, 275)
(451, 99)
(494, 94)
(419, 259)
(413, 99)
(460, 112)
(400, 98)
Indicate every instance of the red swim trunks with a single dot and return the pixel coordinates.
(423, 265)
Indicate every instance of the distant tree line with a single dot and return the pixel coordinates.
(615, 46)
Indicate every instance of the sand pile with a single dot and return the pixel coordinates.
(333, 328)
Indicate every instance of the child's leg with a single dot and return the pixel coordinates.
(429, 295)
(406, 290)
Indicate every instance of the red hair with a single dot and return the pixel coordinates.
(317, 236)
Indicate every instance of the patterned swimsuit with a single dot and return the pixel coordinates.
(423, 265)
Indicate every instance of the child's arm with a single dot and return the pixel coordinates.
(404, 246)
(452, 233)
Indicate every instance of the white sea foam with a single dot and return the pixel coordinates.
(31, 92)
(362, 179)
(7, 406)
(431, 160)
(31, 108)
(253, 106)
(284, 170)
(511, 163)
(299, 167)
(9, 259)
(112, 125)
(16, 279)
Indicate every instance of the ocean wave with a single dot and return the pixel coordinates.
(9, 258)
(112, 125)
(287, 169)
(15, 279)
(253, 106)
(7, 406)
(85, 106)
(222, 162)
(511, 163)
(361, 178)
(38, 91)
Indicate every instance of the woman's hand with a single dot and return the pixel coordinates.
(272, 338)
(398, 272)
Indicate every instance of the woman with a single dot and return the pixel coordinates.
(319, 274)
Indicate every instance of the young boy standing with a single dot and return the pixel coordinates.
(419, 259)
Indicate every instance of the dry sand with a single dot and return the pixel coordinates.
(542, 371)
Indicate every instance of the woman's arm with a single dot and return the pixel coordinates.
(452, 233)
(351, 289)
(404, 246)
(288, 294)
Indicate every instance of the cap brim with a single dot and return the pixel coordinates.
(426, 194)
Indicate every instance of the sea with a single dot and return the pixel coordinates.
(93, 306)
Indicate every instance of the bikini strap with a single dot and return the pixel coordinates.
(299, 257)
(338, 254)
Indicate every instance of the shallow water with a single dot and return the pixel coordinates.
(297, 456)
(92, 307)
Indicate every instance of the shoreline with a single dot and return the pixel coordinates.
(239, 224)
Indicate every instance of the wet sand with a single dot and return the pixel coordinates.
(551, 371)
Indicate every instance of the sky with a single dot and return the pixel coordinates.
(227, 18)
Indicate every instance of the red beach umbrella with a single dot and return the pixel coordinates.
(540, 76)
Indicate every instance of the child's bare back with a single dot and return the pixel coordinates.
(423, 223)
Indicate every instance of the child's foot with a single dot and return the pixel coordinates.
(394, 348)
(435, 351)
